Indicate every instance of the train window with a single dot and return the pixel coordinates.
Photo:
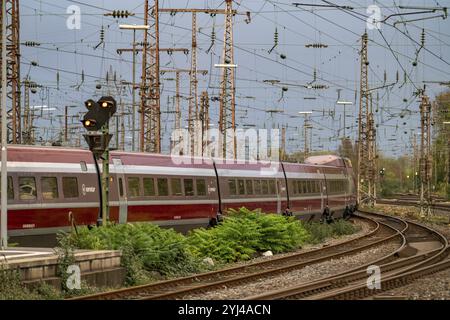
(70, 187)
(10, 191)
(232, 186)
(201, 187)
(149, 187)
(176, 187)
(299, 186)
(163, 187)
(189, 187)
(265, 186)
(257, 187)
(292, 187)
(241, 186)
(121, 187)
(249, 186)
(272, 187)
(83, 166)
(134, 187)
(49, 186)
(27, 188)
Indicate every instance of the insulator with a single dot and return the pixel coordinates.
(213, 35)
(275, 37)
(31, 44)
(385, 76)
(57, 80)
(102, 34)
(422, 38)
(397, 76)
(316, 45)
(282, 56)
(285, 89)
(82, 75)
(98, 86)
(315, 75)
(34, 63)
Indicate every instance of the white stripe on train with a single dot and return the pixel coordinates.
(56, 167)
(76, 205)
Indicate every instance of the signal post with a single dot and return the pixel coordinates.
(96, 121)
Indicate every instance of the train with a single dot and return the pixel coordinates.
(52, 188)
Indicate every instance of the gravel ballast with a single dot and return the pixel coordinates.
(309, 273)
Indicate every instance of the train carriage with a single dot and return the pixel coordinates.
(49, 186)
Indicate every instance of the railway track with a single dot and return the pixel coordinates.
(381, 232)
(426, 252)
(414, 202)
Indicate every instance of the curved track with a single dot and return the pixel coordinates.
(425, 251)
(381, 232)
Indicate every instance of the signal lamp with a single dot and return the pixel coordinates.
(89, 103)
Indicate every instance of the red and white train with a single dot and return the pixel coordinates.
(48, 185)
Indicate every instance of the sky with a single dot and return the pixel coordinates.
(65, 55)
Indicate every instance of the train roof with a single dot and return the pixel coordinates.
(74, 155)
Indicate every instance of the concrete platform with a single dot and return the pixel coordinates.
(98, 268)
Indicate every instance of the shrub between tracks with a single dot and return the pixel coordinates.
(149, 250)
(244, 233)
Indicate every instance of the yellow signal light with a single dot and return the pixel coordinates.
(89, 123)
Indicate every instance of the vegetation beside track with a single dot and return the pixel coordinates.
(11, 288)
(412, 213)
(152, 253)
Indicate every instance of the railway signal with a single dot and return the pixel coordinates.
(99, 113)
(96, 119)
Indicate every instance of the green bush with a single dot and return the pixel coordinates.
(244, 232)
(11, 288)
(146, 248)
(149, 251)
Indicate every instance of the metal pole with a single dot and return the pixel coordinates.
(65, 123)
(133, 125)
(345, 137)
(100, 213)
(4, 168)
(105, 179)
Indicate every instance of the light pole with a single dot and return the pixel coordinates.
(133, 125)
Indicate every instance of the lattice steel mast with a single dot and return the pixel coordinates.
(150, 131)
(425, 162)
(365, 183)
(13, 68)
(227, 118)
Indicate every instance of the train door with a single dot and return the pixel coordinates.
(121, 190)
